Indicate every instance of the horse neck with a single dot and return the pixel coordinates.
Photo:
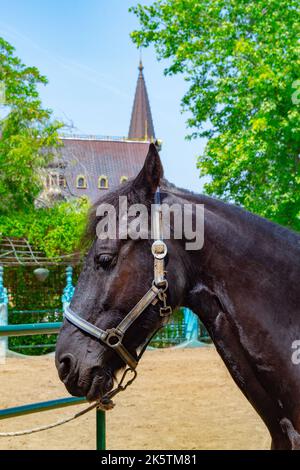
(243, 260)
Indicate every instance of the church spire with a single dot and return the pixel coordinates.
(141, 124)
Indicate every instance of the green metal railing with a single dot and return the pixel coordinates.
(30, 329)
(46, 328)
(172, 334)
(41, 406)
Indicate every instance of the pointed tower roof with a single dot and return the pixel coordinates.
(141, 124)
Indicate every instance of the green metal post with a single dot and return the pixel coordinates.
(100, 430)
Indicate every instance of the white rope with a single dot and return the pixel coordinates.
(49, 426)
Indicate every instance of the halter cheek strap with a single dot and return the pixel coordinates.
(113, 337)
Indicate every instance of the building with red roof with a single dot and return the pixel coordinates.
(87, 165)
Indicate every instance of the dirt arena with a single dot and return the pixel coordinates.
(182, 399)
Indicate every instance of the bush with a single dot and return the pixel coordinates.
(54, 231)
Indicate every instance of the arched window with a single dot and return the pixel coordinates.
(81, 182)
(123, 179)
(102, 182)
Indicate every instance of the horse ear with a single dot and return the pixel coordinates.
(150, 175)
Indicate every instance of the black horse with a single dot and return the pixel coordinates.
(243, 284)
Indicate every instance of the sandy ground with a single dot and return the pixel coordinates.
(182, 399)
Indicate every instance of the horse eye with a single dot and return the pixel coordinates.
(104, 261)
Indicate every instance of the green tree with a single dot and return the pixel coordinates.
(241, 61)
(27, 133)
(55, 231)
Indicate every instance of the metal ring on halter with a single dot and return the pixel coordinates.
(111, 334)
(163, 287)
(156, 246)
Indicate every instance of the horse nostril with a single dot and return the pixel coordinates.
(67, 366)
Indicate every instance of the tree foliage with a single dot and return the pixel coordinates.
(241, 61)
(54, 231)
(27, 133)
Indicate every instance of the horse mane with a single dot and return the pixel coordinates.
(223, 208)
(234, 211)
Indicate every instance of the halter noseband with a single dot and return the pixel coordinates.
(113, 337)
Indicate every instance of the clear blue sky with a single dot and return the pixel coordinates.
(84, 48)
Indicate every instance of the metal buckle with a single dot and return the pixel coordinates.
(165, 311)
(127, 371)
(113, 334)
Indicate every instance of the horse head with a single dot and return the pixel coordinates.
(117, 278)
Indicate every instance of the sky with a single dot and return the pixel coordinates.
(84, 49)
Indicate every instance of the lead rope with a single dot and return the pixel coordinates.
(104, 404)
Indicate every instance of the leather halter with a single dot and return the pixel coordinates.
(113, 337)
